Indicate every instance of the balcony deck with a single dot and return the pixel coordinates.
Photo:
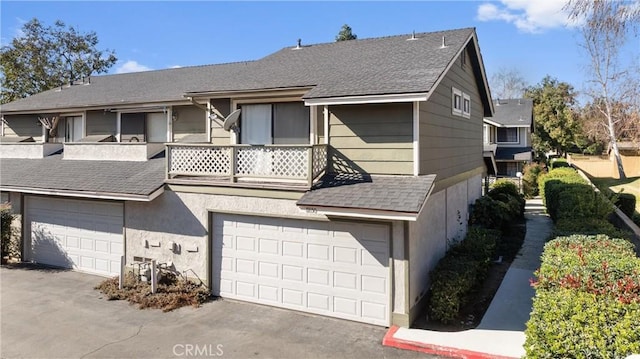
(293, 167)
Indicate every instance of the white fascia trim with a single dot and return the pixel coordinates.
(84, 194)
(490, 122)
(416, 138)
(361, 213)
(485, 120)
(357, 100)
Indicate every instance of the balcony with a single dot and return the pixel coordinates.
(269, 166)
(26, 148)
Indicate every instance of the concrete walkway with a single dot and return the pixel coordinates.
(501, 331)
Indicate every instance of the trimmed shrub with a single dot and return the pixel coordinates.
(587, 301)
(627, 203)
(463, 267)
(569, 324)
(567, 195)
(559, 163)
(489, 213)
(6, 217)
(588, 226)
(506, 192)
(532, 172)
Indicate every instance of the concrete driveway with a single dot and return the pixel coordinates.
(47, 313)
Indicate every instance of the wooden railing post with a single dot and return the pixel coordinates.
(232, 163)
(167, 162)
(310, 166)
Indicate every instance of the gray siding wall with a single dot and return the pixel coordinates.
(101, 123)
(22, 126)
(218, 135)
(451, 144)
(191, 120)
(375, 139)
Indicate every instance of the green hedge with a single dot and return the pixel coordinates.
(627, 203)
(588, 226)
(459, 271)
(569, 196)
(530, 178)
(587, 301)
(559, 163)
(5, 236)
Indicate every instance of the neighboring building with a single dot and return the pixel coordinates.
(350, 170)
(507, 135)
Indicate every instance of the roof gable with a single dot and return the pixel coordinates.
(512, 112)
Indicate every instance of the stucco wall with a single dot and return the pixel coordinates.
(136, 151)
(444, 219)
(28, 149)
(183, 218)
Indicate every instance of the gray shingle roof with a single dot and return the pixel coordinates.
(387, 65)
(404, 194)
(55, 173)
(513, 112)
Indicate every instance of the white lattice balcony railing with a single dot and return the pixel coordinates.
(287, 163)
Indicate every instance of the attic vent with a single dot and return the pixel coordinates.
(444, 43)
(413, 36)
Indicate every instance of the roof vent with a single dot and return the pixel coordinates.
(498, 101)
(413, 36)
(444, 43)
(519, 101)
(299, 45)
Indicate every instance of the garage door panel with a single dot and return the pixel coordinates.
(84, 235)
(318, 267)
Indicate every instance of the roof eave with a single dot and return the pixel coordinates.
(367, 99)
(86, 194)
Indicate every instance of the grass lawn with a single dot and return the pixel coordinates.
(630, 185)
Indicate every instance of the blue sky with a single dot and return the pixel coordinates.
(531, 36)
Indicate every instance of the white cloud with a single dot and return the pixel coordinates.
(131, 66)
(533, 16)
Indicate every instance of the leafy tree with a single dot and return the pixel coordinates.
(507, 83)
(607, 25)
(47, 56)
(556, 124)
(346, 34)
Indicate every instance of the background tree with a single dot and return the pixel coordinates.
(508, 83)
(346, 34)
(605, 31)
(47, 56)
(556, 124)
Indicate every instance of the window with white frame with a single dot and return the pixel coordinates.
(460, 103)
(466, 105)
(456, 101)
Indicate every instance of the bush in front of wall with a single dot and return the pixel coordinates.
(6, 217)
(503, 188)
(463, 267)
(489, 213)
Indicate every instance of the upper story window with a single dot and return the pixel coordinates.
(277, 123)
(460, 103)
(508, 135)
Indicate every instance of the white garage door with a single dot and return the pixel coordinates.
(83, 235)
(338, 269)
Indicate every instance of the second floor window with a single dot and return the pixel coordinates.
(278, 123)
(507, 135)
(460, 103)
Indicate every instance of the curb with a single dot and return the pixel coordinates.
(450, 352)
